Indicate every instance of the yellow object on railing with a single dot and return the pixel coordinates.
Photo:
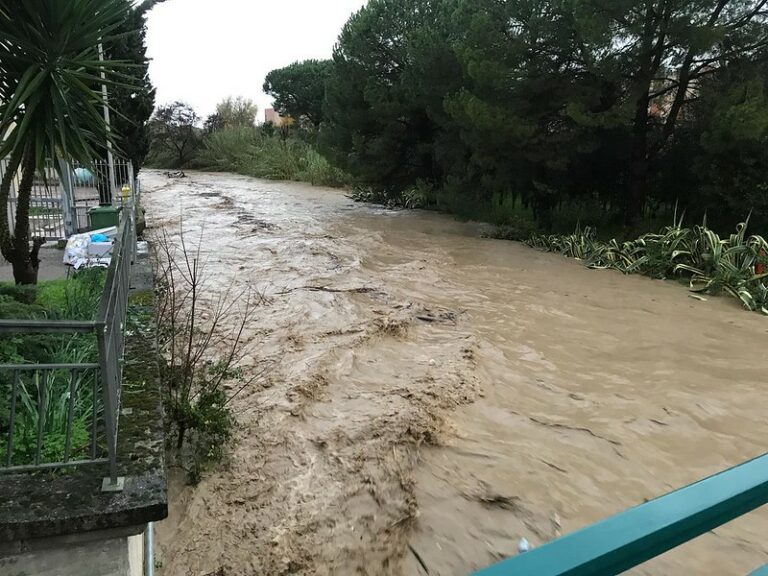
(125, 192)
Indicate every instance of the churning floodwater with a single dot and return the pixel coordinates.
(427, 397)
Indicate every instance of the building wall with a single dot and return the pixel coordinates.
(271, 116)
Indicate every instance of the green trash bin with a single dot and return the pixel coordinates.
(103, 217)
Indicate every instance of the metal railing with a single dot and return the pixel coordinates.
(62, 195)
(110, 327)
(46, 203)
(52, 397)
(634, 536)
(45, 409)
(91, 186)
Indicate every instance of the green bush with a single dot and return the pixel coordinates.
(228, 150)
(316, 170)
(265, 154)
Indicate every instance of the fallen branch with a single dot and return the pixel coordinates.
(362, 290)
(419, 558)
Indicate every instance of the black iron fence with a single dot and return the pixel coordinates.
(55, 415)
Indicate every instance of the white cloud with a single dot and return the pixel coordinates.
(205, 50)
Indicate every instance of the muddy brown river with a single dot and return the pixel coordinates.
(429, 397)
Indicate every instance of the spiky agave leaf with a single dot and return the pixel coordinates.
(50, 75)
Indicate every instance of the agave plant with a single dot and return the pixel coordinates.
(657, 254)
(613, 255)
(737, 265)
(754, 295)
(728, 265)
(50, 100)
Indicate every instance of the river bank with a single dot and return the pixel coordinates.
(431, 396)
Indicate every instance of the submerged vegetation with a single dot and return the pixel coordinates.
(736, 265)
(200, 343)
(262, 153)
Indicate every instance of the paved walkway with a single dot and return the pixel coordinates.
(51, 266)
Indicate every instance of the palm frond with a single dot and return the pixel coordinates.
(51, 75)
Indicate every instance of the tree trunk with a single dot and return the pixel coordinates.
(16, 249)
(650, 58)
(24, 272)
(6, 236)
(180, 437)
(638, 164)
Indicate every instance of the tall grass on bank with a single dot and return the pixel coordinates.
(736, 265)
(252, 152)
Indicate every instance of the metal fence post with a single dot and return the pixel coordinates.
(110, 408)
(68, 213)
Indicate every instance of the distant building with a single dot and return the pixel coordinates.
(272, 117)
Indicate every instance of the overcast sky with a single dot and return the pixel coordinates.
(205, 50)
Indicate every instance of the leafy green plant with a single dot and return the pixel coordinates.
(56, 389)
(50, 101)
(75, 298)
(735, 265)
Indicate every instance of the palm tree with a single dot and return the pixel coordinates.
(50, 100)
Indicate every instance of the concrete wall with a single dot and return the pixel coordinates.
(111, 556)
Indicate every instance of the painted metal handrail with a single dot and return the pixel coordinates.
(110, 329)
(634, 536)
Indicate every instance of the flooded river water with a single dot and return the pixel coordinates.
(429, 396)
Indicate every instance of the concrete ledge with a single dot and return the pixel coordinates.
(40, 507)
(118, 555)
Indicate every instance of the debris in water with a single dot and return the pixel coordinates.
(419, 559)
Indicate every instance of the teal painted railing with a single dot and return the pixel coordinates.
(636, 535)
